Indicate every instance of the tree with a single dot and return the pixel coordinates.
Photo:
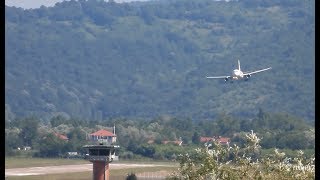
(12, 140)
(52, 146)
(195, 138)
(131, 176)
(293, 140)
(262, 119)
(77, 139)
(57, 120)
(29, 131)
(227, 125)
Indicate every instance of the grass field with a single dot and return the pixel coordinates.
(67, 176)
(14, 162)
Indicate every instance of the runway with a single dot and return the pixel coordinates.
(68, 169)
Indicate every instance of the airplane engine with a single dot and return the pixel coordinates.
(246, 78)
(226, 79)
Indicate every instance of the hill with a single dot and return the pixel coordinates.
(96, 59)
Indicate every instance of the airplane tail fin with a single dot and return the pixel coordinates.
(239, 65)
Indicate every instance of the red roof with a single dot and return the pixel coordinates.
(60, 136)
(103, 132)
(223, 140)
(205, 139)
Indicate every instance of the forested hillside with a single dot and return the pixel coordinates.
(96, 60)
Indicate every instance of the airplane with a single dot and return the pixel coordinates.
(238, 74)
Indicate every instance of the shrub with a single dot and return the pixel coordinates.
(223, 162)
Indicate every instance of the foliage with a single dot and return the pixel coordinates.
(196, 138)
(29, 131)
(140, 139)
(98, 60)
(51, 146)
(131, 176)
(241, 163)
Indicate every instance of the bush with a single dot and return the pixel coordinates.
(131, 176)
(222, 162)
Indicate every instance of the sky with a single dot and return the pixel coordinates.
(28, 4)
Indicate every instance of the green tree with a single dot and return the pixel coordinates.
(77, 139)
(131, 176)
(227, 125)
(12, 140)
(57, 120)
(29, 131)
(51, 146)
(196, 138)
(293, 140)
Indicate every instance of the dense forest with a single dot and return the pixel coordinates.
(98, 60)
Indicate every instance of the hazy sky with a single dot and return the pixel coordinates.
(27, 4)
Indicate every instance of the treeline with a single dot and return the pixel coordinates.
(277, 131)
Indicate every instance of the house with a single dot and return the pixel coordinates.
(219, 139)
(177, 142)
(104, 135)
(223, 140)
(62, 137)
(206, 139)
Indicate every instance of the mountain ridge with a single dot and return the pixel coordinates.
(127, 60)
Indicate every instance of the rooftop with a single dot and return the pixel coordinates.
(103, 132)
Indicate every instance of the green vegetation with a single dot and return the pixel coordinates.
(14, 162)
(66, 176)
(143, 139)
(81, 66)
(217, 162)
(98, 60)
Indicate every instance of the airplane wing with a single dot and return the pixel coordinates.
(253, 72)
(217, 77)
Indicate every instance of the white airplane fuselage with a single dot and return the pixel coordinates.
(237, 74)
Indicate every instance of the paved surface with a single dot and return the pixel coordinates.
(67, 169)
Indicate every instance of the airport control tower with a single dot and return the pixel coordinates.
(101, 152)
(100, 156)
